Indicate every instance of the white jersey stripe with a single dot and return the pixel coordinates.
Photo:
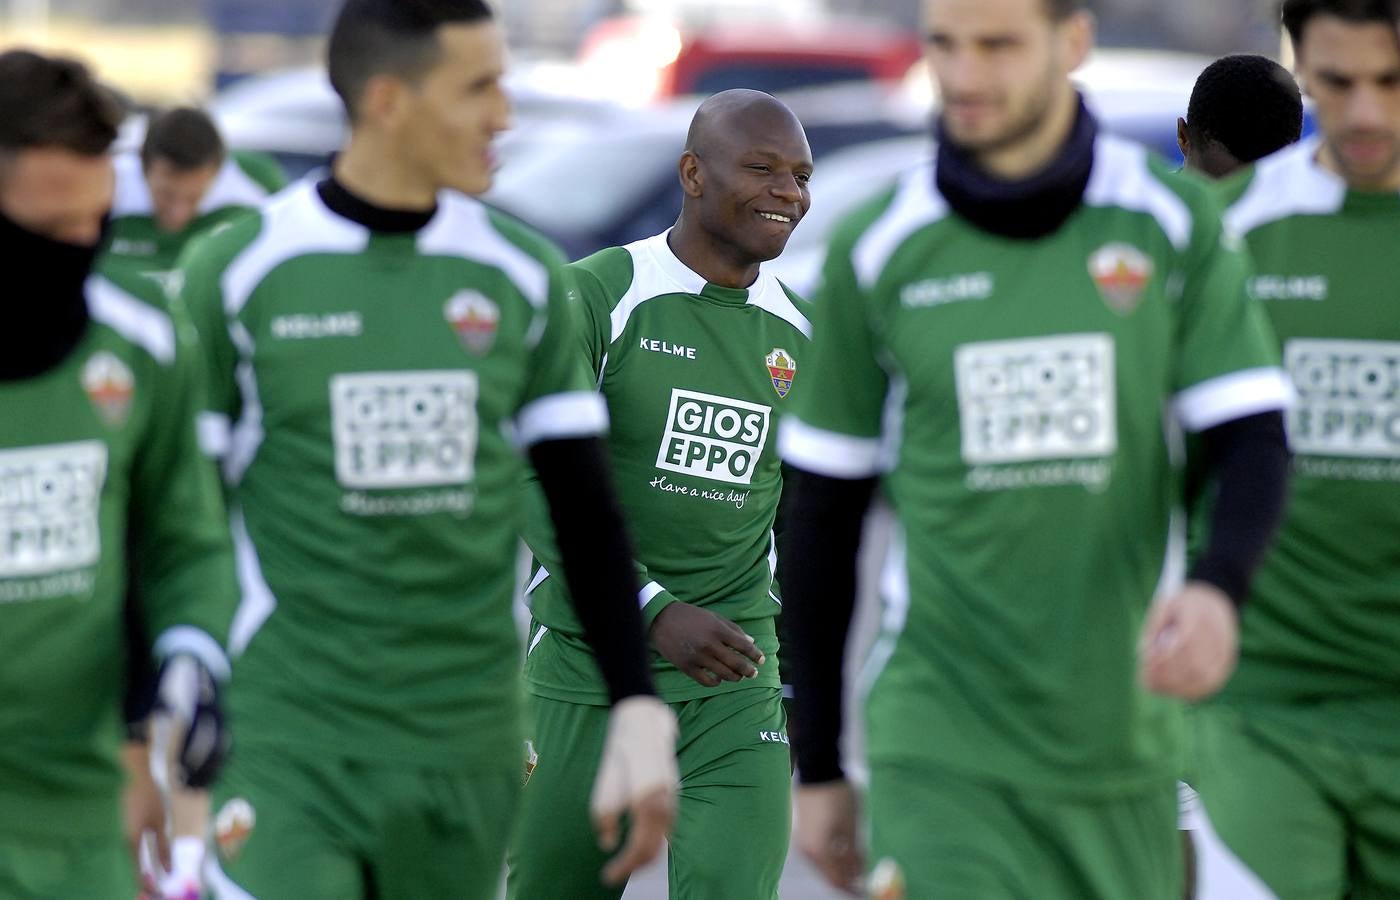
(143, 325)
(827, 452)
(1233, 396)
(577, 414)
(258, 601)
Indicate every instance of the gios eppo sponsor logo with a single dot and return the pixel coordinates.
(1348, 398)
(1037, 399)
(49, 502)
(713, 437)
(404, 429)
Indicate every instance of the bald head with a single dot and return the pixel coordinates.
(738, 115)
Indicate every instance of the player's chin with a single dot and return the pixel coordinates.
(770, 245)
(475, 181)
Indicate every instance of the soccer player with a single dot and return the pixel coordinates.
(1242, 109)
(379, 345)
(1013, 338)
(1298, 760)
(699, 353)
(97, 442)
(183, 182)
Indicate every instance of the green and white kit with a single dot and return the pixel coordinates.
(1295, 757)
(697, 377)
(100, 450)
(1021, 400)
(137, 245)
(369, 395)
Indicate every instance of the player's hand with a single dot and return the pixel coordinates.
(143, 812)
(826, 832)
(188, 735)
(707, 647)
(1190, 643)
(637, 775)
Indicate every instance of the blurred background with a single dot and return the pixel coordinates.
(604, 89)
(603, 93)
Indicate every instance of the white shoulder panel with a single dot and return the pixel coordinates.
(138, 322)
(1121, 178)
(462, 227)
(295, 223)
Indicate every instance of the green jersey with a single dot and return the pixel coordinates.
(1324, 618)
(369, 392)
(1021, 399)
(99, 448)
(696, 376)
(136, 244)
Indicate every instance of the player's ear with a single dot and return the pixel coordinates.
(692, 180)
(382, 101)
(1183, 140)
(1080, 30)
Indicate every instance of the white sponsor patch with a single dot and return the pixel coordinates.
(1348, 397)
(713, 437)
(49, 502)
(1037, 398)
(404, 429)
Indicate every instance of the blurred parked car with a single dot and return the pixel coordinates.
(646, 58)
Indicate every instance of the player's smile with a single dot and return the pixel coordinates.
(788, 220)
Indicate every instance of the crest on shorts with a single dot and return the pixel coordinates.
(887, 881)
(110, 386)
(781, 369)
(233, 826)
(475, 318)
(1122, 273)
(532, 759)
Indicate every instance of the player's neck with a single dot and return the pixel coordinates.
(381, 179)
(1033, 154)
(701, 254)
(1386, 184)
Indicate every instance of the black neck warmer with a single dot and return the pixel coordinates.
(45, 314)
(340, 201)
(1022, 210)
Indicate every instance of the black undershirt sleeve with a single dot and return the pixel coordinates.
(1247, 459)
(597, 556)
(818, 562)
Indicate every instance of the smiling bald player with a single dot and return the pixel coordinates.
(698, 353)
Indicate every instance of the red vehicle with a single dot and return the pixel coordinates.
(769, 57)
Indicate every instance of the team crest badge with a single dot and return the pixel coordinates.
(233, 826)
(475, 318)
(110, 386)
(1122, 273)
(532, 759)
(781, 368)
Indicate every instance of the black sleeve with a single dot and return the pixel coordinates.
(1248, 461)
(818, 559)
(597, 556)
(140, 682)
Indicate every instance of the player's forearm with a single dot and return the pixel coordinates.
(1248, 460)
(818, 562)
(597, 558)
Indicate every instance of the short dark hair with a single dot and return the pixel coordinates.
(1248, 103)
(1297, 13)
(55, 102)
(1063, 9)
(185, 137)
(390, 37)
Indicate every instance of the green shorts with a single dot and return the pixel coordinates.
(1313, 815)
(953, 836)
(43, 868)
(732, 828)
(287, 825)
